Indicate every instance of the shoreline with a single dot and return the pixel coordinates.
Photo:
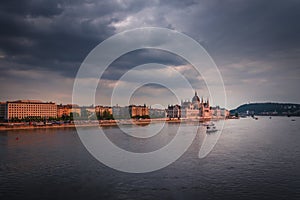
(104, 123)
(28, 127)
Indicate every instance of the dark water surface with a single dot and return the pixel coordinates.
(253, 159)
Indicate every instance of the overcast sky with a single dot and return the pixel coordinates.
(255, 44)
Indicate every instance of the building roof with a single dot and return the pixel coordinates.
(30, 102)
(196, 98)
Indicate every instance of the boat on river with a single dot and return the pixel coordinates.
(211, 128)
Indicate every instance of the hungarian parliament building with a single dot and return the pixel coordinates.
(196, 109)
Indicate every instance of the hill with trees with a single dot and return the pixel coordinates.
(270, 109)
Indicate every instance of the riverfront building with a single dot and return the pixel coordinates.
(219, 113)
(27, 108)
(157, 113)
(138, 111)
(102, 111)
(2, 110)
(120, 112)
(196, 109)
(174, 112)
(66, 110)
(131, 111)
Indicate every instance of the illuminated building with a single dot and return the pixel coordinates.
(195, 109)
(138, 111)
(28, 108)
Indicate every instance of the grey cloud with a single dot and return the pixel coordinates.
(138, 57)
(56, 35)
(32, 7)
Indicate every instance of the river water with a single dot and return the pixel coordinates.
(253, 159)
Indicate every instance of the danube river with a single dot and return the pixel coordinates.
(253, 159)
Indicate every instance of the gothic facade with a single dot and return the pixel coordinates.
(195, 109)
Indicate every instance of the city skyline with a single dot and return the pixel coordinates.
(255, 45)
(23, 110)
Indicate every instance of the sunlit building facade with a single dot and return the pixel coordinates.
(28, 108)
(136, 111)
(195, 109)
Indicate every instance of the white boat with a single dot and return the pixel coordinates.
(211, 128)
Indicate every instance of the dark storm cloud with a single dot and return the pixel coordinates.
(57, 34)
(32, 7)
(251, 40)
(252, 28)
(65, 31)
(57, 38)
(138, 57)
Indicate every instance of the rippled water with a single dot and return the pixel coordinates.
(253, 159)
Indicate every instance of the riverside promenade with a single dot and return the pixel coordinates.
(96, 123)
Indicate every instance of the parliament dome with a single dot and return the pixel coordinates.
(195, 98)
